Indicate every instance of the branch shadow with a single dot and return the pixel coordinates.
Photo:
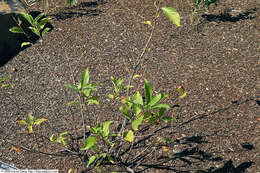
(10, 43)
(228, 17)
(78, 11)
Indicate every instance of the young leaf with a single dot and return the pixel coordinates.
(52, 138)
(91, 160)
(147, 91)
(93, 101)
(111, 96)
(105, 129)
(30, 128)
(3, 79)
(89, 142)
(43, 22)
(159, 106)
(167, 118)
(137, 122)
(125, 112)
(111, 160)
(73, 103)
(182, 92)
(147, 22)
(23, 122)
(45, 31)
(72, 87)
(39, 121)
(85, 78)
(35, 31)
(172, 14)
(129, 136)
(31, 119)
(28, 17)
(39, 17)
(25, 44)
(16, 29)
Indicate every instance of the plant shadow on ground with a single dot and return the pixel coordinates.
(10, 44)
(228, 17)
(79, 11)
(191, 154)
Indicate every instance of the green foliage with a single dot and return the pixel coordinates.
(85, 89)
(37, 26)
(61, 139)
(137, 109)
(3, 84)
(31, 122)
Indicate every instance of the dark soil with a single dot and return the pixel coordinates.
(216, 60)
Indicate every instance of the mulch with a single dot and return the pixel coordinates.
(216, 60)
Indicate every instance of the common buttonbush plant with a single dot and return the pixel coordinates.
(107, 142)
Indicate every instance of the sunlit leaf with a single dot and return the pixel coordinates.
(147, 91)
(111, 160)
(85, 78)
(147, 22)
(89, 142)
(30, 128)
(28, 17)
(167, 118)
(111, 96)
(23, 122)
(125, 112)
(91, 160)
(16, 29)
(137, 122)
(52, 138)
(39, 121)
(72, 87)
(182, 92)
(35, 31)
(26, 44)
(137, 76)
(172, 14)
(159, 106)
(31, 118)
(105, 129)
(39, 17)
(3, 79)
(73, 103)
(129, 136)
(165, 148)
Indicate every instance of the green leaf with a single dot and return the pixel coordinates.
(28, 17)
(39, 17)
(35, 31)
(73, 103)
(182, 92)
(22, 122)
(156, 99)
(111, 96)
(104, 155)
(85, 78)
(25, 44)
(138, 102)
(89, 142)
(147, 91)
(167, 118)
(129, 136)
(125, 112)
(52, 138)
(91, 160)
(45, 31)
(39, 121)
(16, 29)
(172, 14)
(30, 128)
(137, 122)
(93, 101)
(3, 79)
(43, 22)
(159, 106)
(111, 160)
(105, 129)
(147, 22)
(72, 87)
(31, 119)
